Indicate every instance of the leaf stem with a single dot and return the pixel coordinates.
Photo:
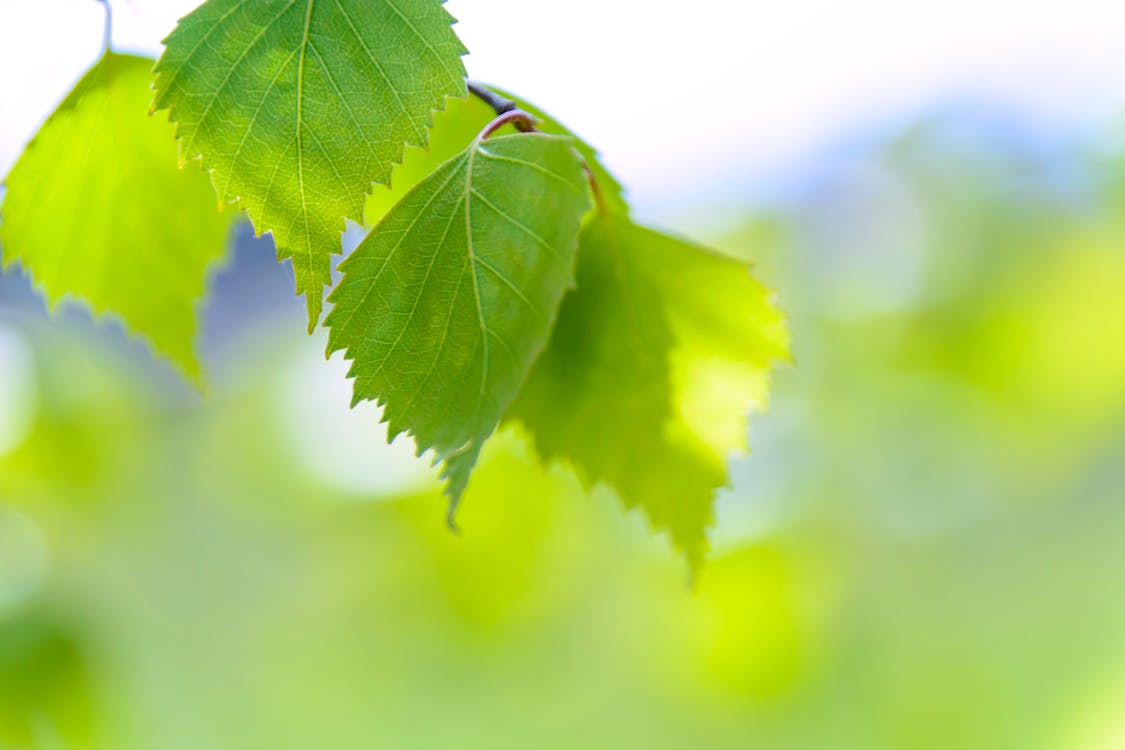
(595, 188)
(522, 121)
(509, 112)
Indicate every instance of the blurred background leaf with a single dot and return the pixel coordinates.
(923, 551)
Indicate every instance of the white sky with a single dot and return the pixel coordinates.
(683, 96)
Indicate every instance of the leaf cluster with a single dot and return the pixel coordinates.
(503, 279)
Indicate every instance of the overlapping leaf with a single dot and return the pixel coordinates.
(656, 358)
(95, 207)
(296, 107)
(446, 304)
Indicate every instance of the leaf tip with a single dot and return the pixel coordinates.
(314, 306)
(451, 516)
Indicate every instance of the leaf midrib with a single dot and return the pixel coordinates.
(473, 271)
(398, 243)
(300, 122)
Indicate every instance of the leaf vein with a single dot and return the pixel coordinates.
(419, 133)
(394, 249)
(515, 222)
(452, 74)
(508, 282)
(532, 165)
(230, 73)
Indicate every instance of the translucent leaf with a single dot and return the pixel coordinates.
(95, 207)
(655, 360)
(296, 108)
(446, 304)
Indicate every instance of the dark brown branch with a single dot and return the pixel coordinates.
(509, 113)
(498, 103)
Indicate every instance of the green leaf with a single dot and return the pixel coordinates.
(96, 207)
(612, 192)
(446, 304)
(654, 362)
(296, 108)
(453, 130)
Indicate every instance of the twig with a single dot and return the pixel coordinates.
(508, 112)
(491, 98)
(521, 120)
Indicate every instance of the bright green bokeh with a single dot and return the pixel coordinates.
(924, 551)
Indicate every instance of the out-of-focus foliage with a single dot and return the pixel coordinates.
(42, 684)
(95, 208)
(649, 354)
(923, 552)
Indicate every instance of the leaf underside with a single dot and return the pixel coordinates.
(297, 107)
(96, 207)
(656, 357)
(446, 304)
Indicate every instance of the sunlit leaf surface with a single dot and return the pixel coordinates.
(96, 208)
(296, 108)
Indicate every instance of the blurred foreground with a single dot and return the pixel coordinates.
(923, 552)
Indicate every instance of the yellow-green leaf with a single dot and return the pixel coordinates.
(96, 208)
(657, 357)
